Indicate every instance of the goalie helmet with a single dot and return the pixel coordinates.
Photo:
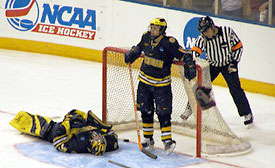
(205, 23)
(159, 22)
(97, 143)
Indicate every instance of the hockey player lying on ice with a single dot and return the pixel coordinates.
(79, 132)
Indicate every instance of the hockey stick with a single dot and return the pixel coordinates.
(19, 12)
(119, 164)
(146, 152)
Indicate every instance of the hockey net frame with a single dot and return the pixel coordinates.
(213, 136)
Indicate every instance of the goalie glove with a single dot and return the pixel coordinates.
(75, 120)
(204, 99)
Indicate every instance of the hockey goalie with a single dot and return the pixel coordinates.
(79, 132)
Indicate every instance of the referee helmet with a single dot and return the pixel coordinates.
(205, 23)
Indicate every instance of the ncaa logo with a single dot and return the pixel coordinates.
(22, 14)
(190, 34)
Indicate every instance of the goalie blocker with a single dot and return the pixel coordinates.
(204, 99)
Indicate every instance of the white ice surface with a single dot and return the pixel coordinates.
(52, 86)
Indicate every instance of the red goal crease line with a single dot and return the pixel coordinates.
(9, 113)
(19, 12)
(5, 112)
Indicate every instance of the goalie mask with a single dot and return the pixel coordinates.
(205, 23)
(97, 144)
(157, 22)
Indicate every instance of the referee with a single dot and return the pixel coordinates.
(223, 51)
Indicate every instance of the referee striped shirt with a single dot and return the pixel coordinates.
(220, 50)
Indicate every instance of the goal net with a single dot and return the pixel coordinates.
(215, 137)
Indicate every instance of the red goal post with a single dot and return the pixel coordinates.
(213, 136)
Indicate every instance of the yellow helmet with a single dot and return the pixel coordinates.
(159, 22)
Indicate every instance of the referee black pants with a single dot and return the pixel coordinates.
(234, 85)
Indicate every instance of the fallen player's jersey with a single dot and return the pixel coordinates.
(74, 133)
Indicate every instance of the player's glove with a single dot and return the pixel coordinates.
(111, 139)
(189, 67)
(232, 67)
(76, 121)
(94, 121)
(131, 55)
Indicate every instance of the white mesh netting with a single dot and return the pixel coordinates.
(217, 137)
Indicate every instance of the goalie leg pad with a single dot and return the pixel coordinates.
(93, 120)
(204, 99)
(112, 141)
(34, 125)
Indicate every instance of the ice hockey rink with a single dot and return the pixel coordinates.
(52, 86)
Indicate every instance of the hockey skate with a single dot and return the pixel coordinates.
(148, 143)
(248, 121)
(169, 146)
(187, 112)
